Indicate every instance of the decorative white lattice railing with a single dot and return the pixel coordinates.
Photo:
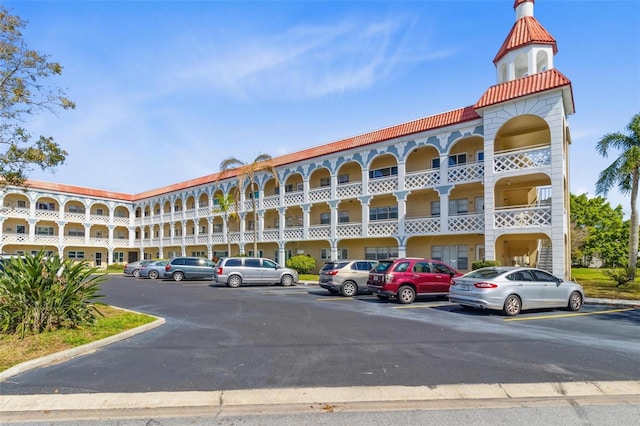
(383, 228)
(349, 230)
(523, 217)
(349, 190)
(292, 234)
(74, 217)
(319, 194)
(271, 235)
(472, 172)
(417, 180)
(271, 202)
(319, 232)
(522, 159)
(293, 198)
(383, 185)
(466, 223)
(47, 214)
(422, 225)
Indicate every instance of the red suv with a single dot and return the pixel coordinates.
(404, 279)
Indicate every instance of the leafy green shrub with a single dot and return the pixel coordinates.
(484, 263)
(621, 276)
(40, 293)
(115, 267)
(301, 263)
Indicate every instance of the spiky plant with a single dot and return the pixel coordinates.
(40, 293)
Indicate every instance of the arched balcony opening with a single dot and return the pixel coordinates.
(320, 185)
(383, 174)
(522, 143)
(349, 180)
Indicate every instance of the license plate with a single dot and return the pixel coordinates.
(464, 287)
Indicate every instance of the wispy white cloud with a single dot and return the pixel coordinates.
(307, 61)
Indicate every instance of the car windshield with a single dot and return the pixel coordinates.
(383, 266)
(485, 273)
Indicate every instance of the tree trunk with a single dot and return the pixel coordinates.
(633, 231)
(255, 221)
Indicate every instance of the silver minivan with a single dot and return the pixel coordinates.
(233, 271)
(346, 277)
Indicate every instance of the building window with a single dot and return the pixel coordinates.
(203, 203)
(118, 257)
(250, 225)
(198, 254)
(44, 230)
(457, 159)
(98, 234)
(456, 255)
(325, 218)
(383, 172)
(177, 208)
(217, 227)
(458, 206)
(380, 253)
(21, 229)
(76, 209)
(78, 255)
(75, 232)
(325, 254)
(99, 212)
(383, 213)
(325, 181)
(120, 235)
(343, 253)
(203, 229)
(435, 208)
(22, 204)
(177, 232)
(343, 178)
(294, 187)
(46, 206)
(294, 221)
(343, 216)
(117, 213)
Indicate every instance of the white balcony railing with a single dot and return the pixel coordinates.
(523, 217)
(522, 159)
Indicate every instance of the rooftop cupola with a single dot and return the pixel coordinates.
(528, 49)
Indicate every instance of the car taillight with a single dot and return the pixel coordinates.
(485, 285)
(167, 267)
(219, 271)
(330, 272)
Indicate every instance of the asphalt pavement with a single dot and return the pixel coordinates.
(41, 407)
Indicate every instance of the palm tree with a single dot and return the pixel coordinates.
(248, 172)
(224, 205)
(624, 173)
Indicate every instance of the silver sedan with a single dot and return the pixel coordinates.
(512, 289)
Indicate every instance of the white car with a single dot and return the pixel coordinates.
(512, 289)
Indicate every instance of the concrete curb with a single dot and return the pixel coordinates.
(66, 355)
(310, 399)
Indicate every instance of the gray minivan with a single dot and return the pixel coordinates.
(233, 271)
(189, 268)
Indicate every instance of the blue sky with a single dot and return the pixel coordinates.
(165, 90)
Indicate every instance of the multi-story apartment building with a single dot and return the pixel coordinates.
(486, 181)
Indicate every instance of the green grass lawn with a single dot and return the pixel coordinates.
(597, 284)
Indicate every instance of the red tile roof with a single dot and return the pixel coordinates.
(456, 116)
(536, 83)
(519, 2)
(77, 190)
(526, 30)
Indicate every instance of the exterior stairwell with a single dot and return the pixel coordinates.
(545, 255)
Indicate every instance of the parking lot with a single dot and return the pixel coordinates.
(270, 336)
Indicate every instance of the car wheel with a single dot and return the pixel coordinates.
(178, 276)
(575, 301)
(136, 273)
(153, 274)
(512, 305)
(286, 280)
(234, 281)
(333, 291)
(349, 289)
(406, 295)
(381, 297)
